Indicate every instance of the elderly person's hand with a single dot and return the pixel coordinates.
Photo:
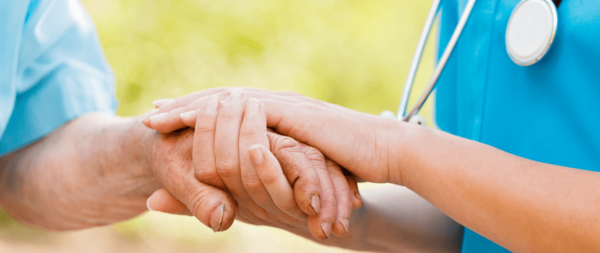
(223, 137)
(352, 139)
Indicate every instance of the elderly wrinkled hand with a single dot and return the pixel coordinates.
(357, 141)
(225, 156)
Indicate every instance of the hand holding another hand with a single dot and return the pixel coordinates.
(359, 142)
(226, 156)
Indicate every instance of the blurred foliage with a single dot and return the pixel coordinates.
(355, 53)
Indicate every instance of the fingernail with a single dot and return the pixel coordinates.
(236, 96)
(158, 117)
(252, 107)
(147, 122)
(326, 227)
(212, 105)
(188, 116)
(315, 203)
(145, 116)
(256, 154)
(219, 211)
(346, 224)
(161, 102)
(148, 205)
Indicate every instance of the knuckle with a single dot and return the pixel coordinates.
(205, 175)
(252, 184)
(289, 205)
(220, 89)
(314, 154)
(269, 179)
(229, 113)
(227, 168)
(284, 143)
(204, 130)
(197, 202)
(250, 131)
(329, 194)
(306, 178)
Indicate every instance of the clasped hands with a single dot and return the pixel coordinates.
(233, 167)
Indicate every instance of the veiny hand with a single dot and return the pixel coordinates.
(357, 141)
(173, 168)
(311, 176)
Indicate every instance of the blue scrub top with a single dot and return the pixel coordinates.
(548, 112)
(52, 69)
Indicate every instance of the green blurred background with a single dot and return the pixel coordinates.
(355, 53)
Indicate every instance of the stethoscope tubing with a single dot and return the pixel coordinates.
(402, 115)
(414, 65)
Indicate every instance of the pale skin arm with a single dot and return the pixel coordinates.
(523, 205)
(394, 220)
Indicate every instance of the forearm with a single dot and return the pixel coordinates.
(92, 171)
(523, 205)
(395, 219)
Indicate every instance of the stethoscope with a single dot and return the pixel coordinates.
(529, 35)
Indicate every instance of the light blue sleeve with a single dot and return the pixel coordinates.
(52, 69)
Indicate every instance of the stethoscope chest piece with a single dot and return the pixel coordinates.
(530, 31)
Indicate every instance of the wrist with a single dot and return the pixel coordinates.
(147, 140)
(141, 145)
(405, 140)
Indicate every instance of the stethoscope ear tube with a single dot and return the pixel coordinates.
(414, 65)
(439, 68)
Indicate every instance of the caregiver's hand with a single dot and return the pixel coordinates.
(166, 118)
(357, 141)
(360, 142)
(217, 131)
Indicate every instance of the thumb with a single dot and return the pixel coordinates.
(210, 205)
(162, 201)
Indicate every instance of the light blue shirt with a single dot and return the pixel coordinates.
(52, 69)
(548, 112)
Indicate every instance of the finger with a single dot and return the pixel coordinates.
(187, 118)
(223, 93)
(254, 131)
(186, 100)
(171, 120)
(162, 201)
(204, 139)
(271, 175)
(210, 205)
(356, 199)
(321, 224)
(343, 197)
(299, 171)
(189, 98)
(226, 151)
(158, 103)
(335, 133)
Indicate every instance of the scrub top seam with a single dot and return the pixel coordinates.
(487, 74)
